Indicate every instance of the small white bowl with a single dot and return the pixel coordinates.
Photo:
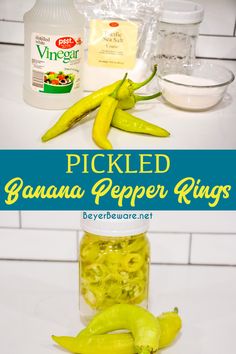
(198, 87)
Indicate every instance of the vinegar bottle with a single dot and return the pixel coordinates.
(53, 64)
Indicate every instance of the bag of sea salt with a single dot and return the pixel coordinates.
(120, 36)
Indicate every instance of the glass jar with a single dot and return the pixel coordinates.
(113, 265)
(177, 35)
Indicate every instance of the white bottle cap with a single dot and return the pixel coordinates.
(114, 223)
(181, 12)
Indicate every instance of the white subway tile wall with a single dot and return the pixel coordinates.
(169, 248)
(38, 244)
(11, 32)
(14, 10)
(197, 222)
(66, 220)
(175, 237)
(213, 249)
(216, 47)
(217, 31)
(219, 17)
(9, 219)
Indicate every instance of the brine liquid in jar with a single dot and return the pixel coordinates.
(113, 270)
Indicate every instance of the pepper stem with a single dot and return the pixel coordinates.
(116, 91)
(137, 85)
(147, 98)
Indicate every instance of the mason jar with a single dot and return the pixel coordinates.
(113, 265)
(177, 35)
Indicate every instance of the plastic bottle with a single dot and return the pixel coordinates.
(53, 54)
(113, 264)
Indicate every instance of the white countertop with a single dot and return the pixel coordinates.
(38, 299)
(21, 126)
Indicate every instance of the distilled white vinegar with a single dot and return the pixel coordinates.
(53, 67)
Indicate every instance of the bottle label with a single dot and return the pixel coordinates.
(55, 63)
(113, 43)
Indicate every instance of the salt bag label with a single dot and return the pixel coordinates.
(55, 63)
(113, 44)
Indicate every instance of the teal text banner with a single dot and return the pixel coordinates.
(119, 179)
